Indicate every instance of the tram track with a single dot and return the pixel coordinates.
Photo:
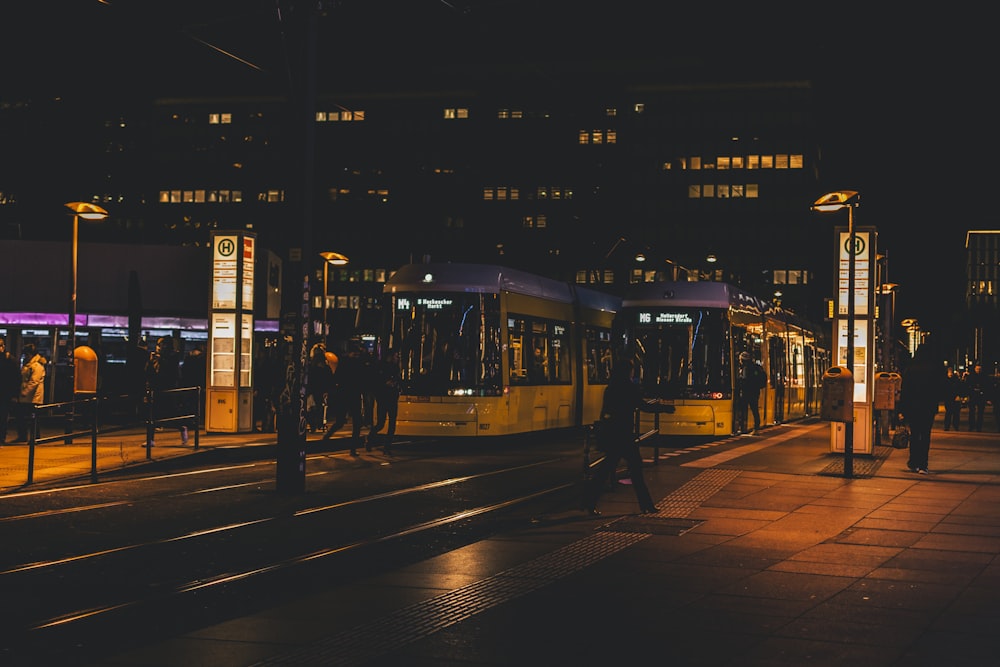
(97, 610)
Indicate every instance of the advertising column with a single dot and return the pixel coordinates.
(229, 388)
(864, 248)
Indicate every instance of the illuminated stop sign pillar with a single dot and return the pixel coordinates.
(229, 393)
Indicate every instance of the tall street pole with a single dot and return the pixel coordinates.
(849, 424)
(296, 295)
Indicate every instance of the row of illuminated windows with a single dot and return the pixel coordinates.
(777, 161)
(724, 191)
(595, 137)
(265, 196)
(503, 193)
(343, 115)
(697, 191)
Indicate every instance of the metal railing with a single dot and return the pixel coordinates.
(96, 416)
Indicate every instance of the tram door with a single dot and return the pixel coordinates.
(777, 373)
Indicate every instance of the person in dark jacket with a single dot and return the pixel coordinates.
(622, 397)
(976, 385)
(386, 400)
(10, 387)
(750, 380)
(346, 399)
(920, 395)
(953, 399)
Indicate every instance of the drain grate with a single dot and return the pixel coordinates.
(862, 466)
(652, 525)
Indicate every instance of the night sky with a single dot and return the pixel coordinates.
(907, 94)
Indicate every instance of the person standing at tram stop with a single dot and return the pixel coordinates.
(10, 387)
(346, 398)
(386, 400)
(32, 389)
(163, 373)
(976, 385)
(921, 392)
(750, 380)
(953, 398)
(622, 397)
(319, 388)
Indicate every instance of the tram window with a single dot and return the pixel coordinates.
(539, 351)
(598, 355)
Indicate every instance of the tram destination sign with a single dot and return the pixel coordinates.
(663, 317)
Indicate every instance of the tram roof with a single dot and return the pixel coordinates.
(699, 294)
(491, 278)
(709, 294)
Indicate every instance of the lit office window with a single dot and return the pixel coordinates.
(738, 190)
(708, 190)
(597, 137)
(752, 190)
(611, 111)
(722, 163)
(695, 162)
(781, 161)
(767, 162)
(694, 192)
(220, 118)
(753, 162)
(723, 191)
(453, 113)
(737, 162)
(795, 161)
(583, 137)
(611, 137)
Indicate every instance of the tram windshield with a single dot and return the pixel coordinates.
(449, 343)
(683, 353)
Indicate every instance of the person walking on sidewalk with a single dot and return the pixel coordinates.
(921, 392)
(10, 387)
(622, 397)
(32, 391)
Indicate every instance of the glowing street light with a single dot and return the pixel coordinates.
(834, 201)
(329, 258)
(87, 211)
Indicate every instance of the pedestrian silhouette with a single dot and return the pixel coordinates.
(622, 397)
(162, 375)
(386, 401)
(975, 388)
(346, 398)
(750, 380)
(920, 395)
(10, 387)
(954, 397)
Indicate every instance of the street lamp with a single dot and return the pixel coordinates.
(87, 211)
(336, 259)
(834, 201)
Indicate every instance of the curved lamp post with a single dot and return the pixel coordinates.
(329, 258)
(834, 201)
(87, 211)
